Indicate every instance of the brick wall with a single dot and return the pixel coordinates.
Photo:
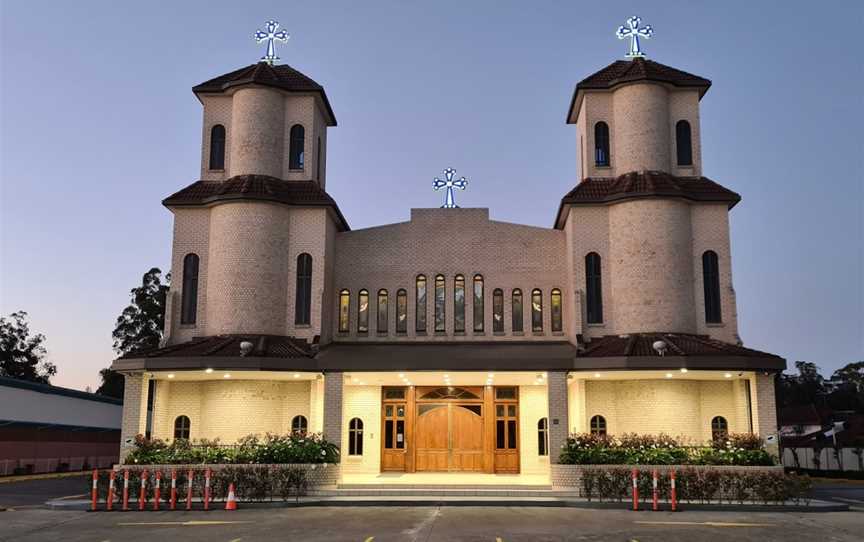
(333, 414)
(362, 402)
(558, 432)
(134, 421)
(533, 406)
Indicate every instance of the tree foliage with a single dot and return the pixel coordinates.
(112, 383)
(22, 355)
(843, 391)
(140, 325)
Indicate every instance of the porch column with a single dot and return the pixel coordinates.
(333, 407)
(134, 420)
(764, 409)
(558, 419)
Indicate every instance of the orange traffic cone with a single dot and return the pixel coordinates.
(231, 503)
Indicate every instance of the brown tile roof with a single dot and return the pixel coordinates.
(281, 76)
(644, 184)
(256, 187)
(638, 69)
(266, 346)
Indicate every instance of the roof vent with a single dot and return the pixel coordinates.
(245, 348)
(660, 347)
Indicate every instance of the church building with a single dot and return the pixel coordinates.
(451, 342)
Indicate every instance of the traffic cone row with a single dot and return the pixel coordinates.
(230, 503)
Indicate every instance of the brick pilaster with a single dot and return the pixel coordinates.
(558, 419)
(333, 407)
(134, 421)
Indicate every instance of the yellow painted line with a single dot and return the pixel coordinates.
(192, 523)
(707, 523)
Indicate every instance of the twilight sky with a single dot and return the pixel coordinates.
(98, 124)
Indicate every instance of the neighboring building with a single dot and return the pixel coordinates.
(46, 428)
(821, 438)
(452, 342)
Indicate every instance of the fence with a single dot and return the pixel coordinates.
(842, 459)
(43, 465)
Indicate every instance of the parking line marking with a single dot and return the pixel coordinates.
(193, 523)
(707, 523)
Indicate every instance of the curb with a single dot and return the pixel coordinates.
(46, 476)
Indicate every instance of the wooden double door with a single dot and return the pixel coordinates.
(448, 429)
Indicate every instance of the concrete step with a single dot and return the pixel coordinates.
(445, 486)
(512, 492)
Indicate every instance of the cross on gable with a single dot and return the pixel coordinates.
(271, 36)
(449, 184)
(634, 32)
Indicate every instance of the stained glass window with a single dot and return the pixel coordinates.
(459, 304)
(517, 311)
(344, 314)
(478, 303)
(382, 311)
(497, 310)
(363, 312)
(557, 320)
(401, 311)
(420, 316)
(536, 310)
(440, 300)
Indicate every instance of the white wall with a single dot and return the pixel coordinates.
(23, 405)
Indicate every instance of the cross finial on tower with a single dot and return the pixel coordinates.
(271, 36)
(460, 183)
(634, 32)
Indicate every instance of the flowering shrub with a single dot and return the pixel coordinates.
(272, 449)
(633, 449)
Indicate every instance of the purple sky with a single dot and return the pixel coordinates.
(98, 124)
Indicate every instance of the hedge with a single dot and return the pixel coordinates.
(633, 449)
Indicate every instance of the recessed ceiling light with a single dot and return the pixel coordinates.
(208, 370)
(668, 375)
(683, 369)
(401, 375)
(226, 375)
(728, 375)
(491, 375)
(170, 375)
(356, 380)
(596, 375)
(296, 375)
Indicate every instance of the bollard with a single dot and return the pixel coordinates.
(189, 477)
(125, 490)
(142, 496)
(94, 493)
(635, 489)
(109, 505)
(173, 489)
(673, 496)
(207, 489)
(654, 488)
(157, 488)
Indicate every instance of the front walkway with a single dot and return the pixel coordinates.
(427, 479)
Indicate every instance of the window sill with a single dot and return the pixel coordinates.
(518, 334)
(604, 166)
(459, 333)
(216, 170)
(715, 324)
(302, 326)
(343, 333)
(602, 324)
(479, 334)
(440, 333)
(188, 326)
(538, 334)
(381, 334)
(296, 169)
(420, 333)
(558, 333)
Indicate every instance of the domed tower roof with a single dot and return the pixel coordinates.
(281, 76)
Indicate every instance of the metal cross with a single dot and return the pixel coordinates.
(459, 183)
(633, 32)
(271, 36)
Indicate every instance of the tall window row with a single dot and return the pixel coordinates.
(439, 308)
(683, 144)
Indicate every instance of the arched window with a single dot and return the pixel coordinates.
(181, 427)
(420, 307)
(344, 311)
(303, 301)
(543, 436)
(601, 144)
(557, 319)
(382, 311)
(711, 285)
(440, 300)
(217, 147)
(478, 304)
(536, 310)
(363, 311)
(189, 297)
(459, 304)
(497, 310)
(295, 149)
(598, 425)
(593, 289)
(683, 143)
(401, 311)
(355, 437)
(719, 428)
(517, 311)
(299, 424)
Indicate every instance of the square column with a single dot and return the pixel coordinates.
(558, 419)
(333, 408)
(134, 421)
(765, 409)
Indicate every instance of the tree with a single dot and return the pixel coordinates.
(140, 324)
(22, 356)
(807, 387)
(112, 383)
(847, 388)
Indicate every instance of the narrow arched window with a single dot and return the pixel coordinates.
(189, 296)
(355, 437)
(383, 317)
(420, 306)
(459, 304)
(593, 289)
(517, 311)
(598, 425)
(719, 428)
(217, 147)
(601, 144)
(181, 427)
(711, 285)
(344, 311)
(557, 318)
(363, 311)
(478, 303)
(401, 311)
(536, 310)
(303, 301)
(543, 436)
(497, 310)
(684, 143)
(440, 300)
(295, 149)
(299, 424)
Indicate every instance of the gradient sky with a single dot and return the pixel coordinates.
(98, 124)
